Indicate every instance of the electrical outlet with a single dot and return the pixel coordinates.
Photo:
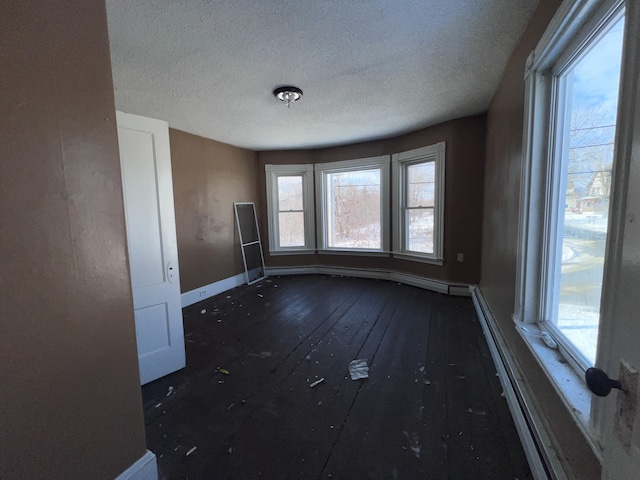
(203, 293)
(626, 403)
(461, 257)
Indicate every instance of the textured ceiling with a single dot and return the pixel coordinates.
(369, 69)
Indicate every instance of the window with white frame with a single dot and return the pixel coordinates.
(419, 203)
(571, 108)
(290, 207)
(352, 205)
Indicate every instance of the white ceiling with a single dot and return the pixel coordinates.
(369, 69)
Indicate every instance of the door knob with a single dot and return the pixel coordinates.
(600, 383)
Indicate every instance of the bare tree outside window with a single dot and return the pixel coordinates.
(354, 215)
(590, 159)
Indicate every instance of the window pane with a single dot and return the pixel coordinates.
(421, 183)
(353, 209)
(291, 228)
(420, 230)
(589, 135)
(290, 193)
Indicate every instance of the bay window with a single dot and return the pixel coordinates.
(352, 205)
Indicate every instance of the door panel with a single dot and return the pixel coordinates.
(147, 265)
(152, 329)
(148, 196)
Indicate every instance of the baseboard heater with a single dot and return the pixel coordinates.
(536, 441)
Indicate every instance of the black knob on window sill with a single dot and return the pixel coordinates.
(599, 382)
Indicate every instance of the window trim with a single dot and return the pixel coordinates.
(430, 153)
(538, 183)
(272, 173)
(321, 171)
(573, 23)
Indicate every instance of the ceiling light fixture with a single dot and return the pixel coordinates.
(288, 95)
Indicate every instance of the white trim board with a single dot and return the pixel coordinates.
(406, 278)
(459, 290)
(537, 440)
(145, 468)
(208, 291)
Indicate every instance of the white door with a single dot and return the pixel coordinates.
(145, 161)
(617, 416)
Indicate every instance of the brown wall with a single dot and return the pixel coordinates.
(70, 404)
(208, 177)
(464, 170)
(500, 233)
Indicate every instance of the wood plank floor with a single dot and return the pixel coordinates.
(431, 408)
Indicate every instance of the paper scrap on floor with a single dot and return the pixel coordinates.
(358, 369)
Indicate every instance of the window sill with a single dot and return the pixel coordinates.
(568, 384)
(366, 253)
(418, 258)
(275, 253)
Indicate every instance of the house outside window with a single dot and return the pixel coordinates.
(570, 128)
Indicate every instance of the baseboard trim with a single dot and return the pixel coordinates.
(208, 291)
(536, 439)
(145, 468)
(406, 278)
(460, 290)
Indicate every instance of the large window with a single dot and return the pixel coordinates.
(587, 92)
(572, 88)
(352, 205)
(419, 203)
(290, 204)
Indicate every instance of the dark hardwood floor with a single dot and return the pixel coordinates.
(431, 408)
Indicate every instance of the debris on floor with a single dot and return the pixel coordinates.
(358, 369)
(414, 443)
(477, 412)
(170, 391)
(317, 382)
(261, 354)
(203, 311)
(277, 387)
